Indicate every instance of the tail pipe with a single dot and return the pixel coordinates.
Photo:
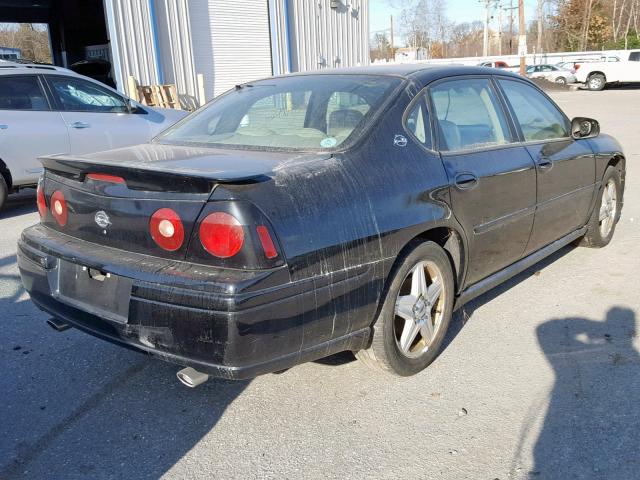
(58, 325)
(191, 377)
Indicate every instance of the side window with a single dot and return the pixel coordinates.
(539, 119)
(415, 123)
(468, 115)
(21, 92)
(77, 95)
(633, 57)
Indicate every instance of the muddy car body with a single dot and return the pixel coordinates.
(404, 207)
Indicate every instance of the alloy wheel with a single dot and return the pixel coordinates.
(608, 208)
(419, 309)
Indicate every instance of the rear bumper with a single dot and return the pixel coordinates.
(228, 323)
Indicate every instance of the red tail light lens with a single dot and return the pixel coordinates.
(59, 208)
(221, 234)
(103, 177)
(267, 242)
(42, 202)
(166, 229)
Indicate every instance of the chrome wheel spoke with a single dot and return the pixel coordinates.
(409, 333)
(603, 212)
(418, 281)
(404, 306)
(427, 331)
(433, 292)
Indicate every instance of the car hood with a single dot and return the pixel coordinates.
(224, 165)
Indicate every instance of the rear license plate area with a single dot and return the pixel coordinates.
(94, 291)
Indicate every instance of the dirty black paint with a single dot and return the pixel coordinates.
(339, 220)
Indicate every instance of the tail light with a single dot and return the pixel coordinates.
(103, 177)
(59, 208)
(166, 229)
(42, 202)
(234, 234)
(221, 234)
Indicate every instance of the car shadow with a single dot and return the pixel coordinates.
(74, 406)
(591, 428)
(464, 314)
(19, 204)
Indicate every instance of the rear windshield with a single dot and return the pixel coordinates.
(301, 112)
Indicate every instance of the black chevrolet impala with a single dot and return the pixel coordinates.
(299, 216)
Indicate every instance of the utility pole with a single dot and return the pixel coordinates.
(539, 39)
(499, 29)
(522, 41)
(511, 8)
(485, 38)
(393, 53)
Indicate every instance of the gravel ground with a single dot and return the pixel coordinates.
(539, 379)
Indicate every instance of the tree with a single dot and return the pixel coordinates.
(32, 40)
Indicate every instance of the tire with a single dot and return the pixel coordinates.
(596, 82)
(599, 233)
(561, 80)
(393, 348)
(4, 191)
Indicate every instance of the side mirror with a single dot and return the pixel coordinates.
(582, 127)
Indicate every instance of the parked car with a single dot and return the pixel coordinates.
(551, 73)
(303, 215)
(597, 75)
(494, 64)
(46, 110)
(574, 65)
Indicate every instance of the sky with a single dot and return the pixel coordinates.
(457, 10)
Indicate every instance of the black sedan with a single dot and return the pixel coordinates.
(299, 216)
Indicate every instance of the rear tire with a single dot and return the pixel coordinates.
(606, 212)
(4, 191)
(561, 81)
(596, 82)
(415, 315)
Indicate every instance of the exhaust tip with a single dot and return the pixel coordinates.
(191, 377)
(58, 325)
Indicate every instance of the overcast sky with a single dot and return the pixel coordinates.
(457, 10)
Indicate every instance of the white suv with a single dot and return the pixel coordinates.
(46, 110)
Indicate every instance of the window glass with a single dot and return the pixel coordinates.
(415, 122)
(18, 92)
(633, 56)
(78, 95)
(468, 115)
(539, 119)
(299, 112)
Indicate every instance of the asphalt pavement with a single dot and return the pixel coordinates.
(539, 378)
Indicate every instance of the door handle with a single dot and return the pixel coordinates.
(4, 127)
(80, 125)
(466, 181)
(545, 163)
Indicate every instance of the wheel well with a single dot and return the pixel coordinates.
(6, 174)
(596, 73)
(451, 242)
(617, 161)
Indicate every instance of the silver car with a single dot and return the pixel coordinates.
(46, 110)
(551, 73)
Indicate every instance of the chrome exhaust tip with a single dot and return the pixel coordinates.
(191, 377)
(58, 325)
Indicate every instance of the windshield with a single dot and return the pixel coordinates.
(301, 112)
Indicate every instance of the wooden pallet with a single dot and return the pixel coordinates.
(162, 96)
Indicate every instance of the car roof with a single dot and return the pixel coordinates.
(13, 68)
(424, 72)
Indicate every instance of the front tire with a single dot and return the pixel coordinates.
(606, 212)
(4, 191)
(561, 81)
(596, 82)
(415, 315)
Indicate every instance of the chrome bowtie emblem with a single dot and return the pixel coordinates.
(400, 141)
(102, 219)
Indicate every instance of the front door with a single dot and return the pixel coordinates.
(28, 127)
(565, 167)
(97, 118)
(493, 180)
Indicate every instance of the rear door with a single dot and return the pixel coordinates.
(565, 167)
(97, 118)
(29, 128)
(493, 179)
